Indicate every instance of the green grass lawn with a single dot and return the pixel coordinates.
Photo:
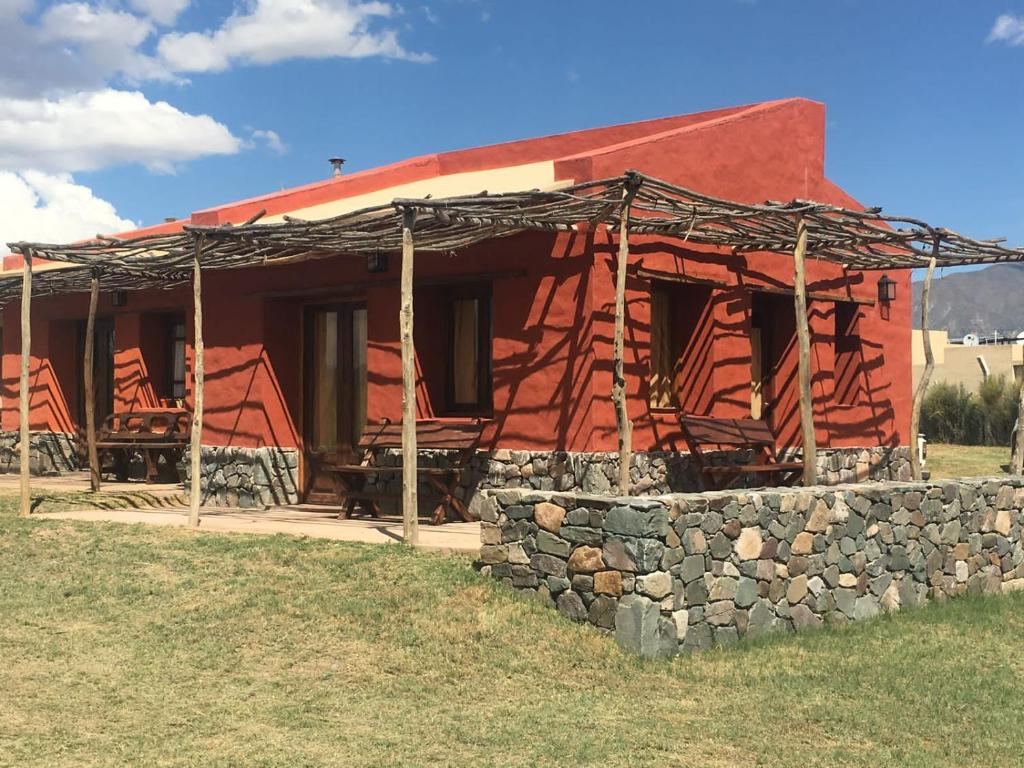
(152, 646)
(947, 461)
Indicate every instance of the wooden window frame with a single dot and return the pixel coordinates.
(483, 406)
(667, 347)
(170, 337)
(847, 353)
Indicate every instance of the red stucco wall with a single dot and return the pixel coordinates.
(553, 298)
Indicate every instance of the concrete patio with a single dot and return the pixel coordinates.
(169, 507)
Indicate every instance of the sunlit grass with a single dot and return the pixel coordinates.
(949, 461)
(143, 645)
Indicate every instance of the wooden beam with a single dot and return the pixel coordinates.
(196, 446)
(410, 502)
(673, 277)
(90, 385)
(23, 389)
(360, 287)
(926, 375)
(812, 295)
(804, 347)
(623, 423)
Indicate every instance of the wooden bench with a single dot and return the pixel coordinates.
(461, 438)
(153, 433)
(743, 434)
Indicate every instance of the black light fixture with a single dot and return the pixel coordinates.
(120, 298)
(376, 262)
(886, 289)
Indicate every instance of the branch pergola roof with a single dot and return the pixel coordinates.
(856, 239)
(629, 204)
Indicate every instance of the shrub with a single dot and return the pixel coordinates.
(950, 414)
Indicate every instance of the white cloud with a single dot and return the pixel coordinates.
(1008, 29)
(270, 139)
(80, 22)
(89, 44)
(53, 208)
(275, 30)
(88, 131)
(164, 12)
(104, 40)
(70, 98)
(11, 9)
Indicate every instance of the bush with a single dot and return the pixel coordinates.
(950, 414)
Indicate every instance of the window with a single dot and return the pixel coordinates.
(681, 351)
(848, 354)
(469, 349)
(176, 357)
(663, 393)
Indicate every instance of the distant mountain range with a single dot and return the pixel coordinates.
(983, 301)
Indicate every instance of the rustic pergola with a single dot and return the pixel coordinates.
(629, 204)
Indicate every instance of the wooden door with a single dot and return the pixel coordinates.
(773, 374)
(102, 368)
(334, 406)
(756, 374)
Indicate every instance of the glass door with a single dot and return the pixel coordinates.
(335, 394)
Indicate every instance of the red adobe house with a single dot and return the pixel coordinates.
(517, 331)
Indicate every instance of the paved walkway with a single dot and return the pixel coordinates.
(297, 520)
(71, 482)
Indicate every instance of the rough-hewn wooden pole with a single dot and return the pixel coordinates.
(1017, 449)
(196, 446)
(410, 508)
(23, 389)
(90, 385)
(803, 335)
(929, 366)
(623, 423)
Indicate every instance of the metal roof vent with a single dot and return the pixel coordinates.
(336, 163)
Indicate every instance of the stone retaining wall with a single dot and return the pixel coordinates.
(651, 473)
(245, 477)
(269, 475)
(50, 452)
(689, 571)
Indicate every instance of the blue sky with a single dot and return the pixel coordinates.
(924, 102)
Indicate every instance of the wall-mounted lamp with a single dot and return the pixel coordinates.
(119, 299)
(886, 289)
(376, 262)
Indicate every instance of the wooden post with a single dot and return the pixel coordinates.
(929, 366)
(410, 508)
(804, 346)
(195, 448)
(90, 385)
(1017, 449)
(623, 423)
(23, 390)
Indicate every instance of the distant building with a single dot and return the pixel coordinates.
(957, 363)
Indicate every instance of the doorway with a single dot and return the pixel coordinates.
(772, 366)
(102, 368)
(334, 400)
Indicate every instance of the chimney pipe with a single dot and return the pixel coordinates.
(336, 163)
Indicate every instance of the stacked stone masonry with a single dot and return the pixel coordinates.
(50, 453)
(245, 477)
(690, 571)
(651, 473)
